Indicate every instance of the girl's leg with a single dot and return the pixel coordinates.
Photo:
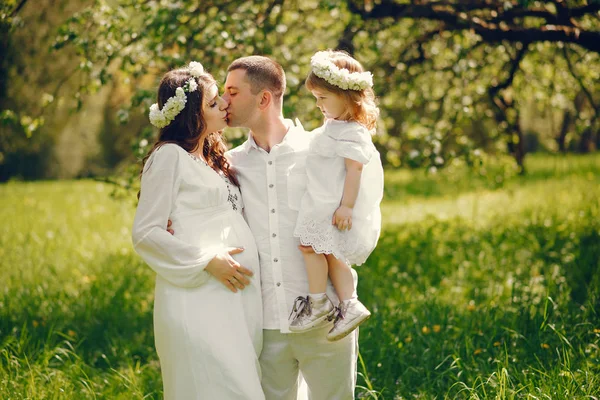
(341, 277)
(350, 313)
(312, 311)
(316, 269)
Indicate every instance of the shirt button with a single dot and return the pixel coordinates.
(275, 259)
(270, 162)
(272, 211)
(271, 185)
(274, 235)
(278, 283)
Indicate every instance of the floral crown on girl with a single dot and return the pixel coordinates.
(173, 106)
(324, 68)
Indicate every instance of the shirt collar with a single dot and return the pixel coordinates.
(295, 129)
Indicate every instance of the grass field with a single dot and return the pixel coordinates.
(480, 290)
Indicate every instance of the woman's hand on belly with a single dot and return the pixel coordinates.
(228, 271)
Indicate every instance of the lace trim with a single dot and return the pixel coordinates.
(232, 195)
(325, 238)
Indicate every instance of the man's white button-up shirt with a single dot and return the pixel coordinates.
(272, 184)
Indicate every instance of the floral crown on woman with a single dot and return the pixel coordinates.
(324, 68)
(173, 106)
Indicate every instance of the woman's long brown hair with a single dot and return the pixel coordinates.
(187, 129)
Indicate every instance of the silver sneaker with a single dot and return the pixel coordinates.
(348, 316)
(309, 313)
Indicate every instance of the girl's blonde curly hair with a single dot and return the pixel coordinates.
(361, 103)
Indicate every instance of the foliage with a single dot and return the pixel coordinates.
(445, 89)
(477, 292)
(34, 90)
(452, 77)
(16, 129)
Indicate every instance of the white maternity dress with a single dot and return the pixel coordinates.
(208, 338)
(326, 174)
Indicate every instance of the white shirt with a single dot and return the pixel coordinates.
(272, 184)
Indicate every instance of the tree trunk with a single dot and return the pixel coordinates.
(586, 143)
(517, 150)
(520, 151)
(564, 129)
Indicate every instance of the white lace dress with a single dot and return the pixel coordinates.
(208, 338)
(326, 172)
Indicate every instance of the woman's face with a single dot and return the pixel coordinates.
(214, 109)
(332, 105)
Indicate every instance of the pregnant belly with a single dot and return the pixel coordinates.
(217, 233)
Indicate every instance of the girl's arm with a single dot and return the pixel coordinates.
(342, 217)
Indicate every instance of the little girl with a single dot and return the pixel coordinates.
(339, 214)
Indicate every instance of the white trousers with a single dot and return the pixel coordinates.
(329, 368)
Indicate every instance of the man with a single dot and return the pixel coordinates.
(270, 167)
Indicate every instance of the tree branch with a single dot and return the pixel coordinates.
(588, 94)
(496, 24)
(18, 8)
(268, 11)
(346, 40)
(585, 10)
(514, 67)
(502, 105)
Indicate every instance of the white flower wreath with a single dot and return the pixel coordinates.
(324, 68)
(173, 106)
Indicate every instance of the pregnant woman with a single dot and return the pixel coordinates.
(207, 308)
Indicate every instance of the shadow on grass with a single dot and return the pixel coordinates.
(455, 305)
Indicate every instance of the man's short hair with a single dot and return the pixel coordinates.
(262, 73)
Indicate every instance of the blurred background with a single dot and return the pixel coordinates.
(486, 280)
(500, 77)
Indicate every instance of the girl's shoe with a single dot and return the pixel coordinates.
(348, 316)
(309, 313)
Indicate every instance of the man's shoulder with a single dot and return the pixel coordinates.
(237, 151)
(297, 137)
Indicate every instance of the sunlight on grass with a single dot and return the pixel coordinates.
(486, 206)
(480, 288)
(438, 196)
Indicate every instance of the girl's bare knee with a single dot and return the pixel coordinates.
(334, 262)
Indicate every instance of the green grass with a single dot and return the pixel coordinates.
(482, 287)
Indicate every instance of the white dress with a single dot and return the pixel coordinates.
(208, 338)
(326, 172)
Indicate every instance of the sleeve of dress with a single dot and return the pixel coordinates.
(178, 262)
(355, 143)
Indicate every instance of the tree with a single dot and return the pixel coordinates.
(453, 76)
(512, 25)
(16, 126)
(32, 82)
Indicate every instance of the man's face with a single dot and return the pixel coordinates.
(243, 105)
